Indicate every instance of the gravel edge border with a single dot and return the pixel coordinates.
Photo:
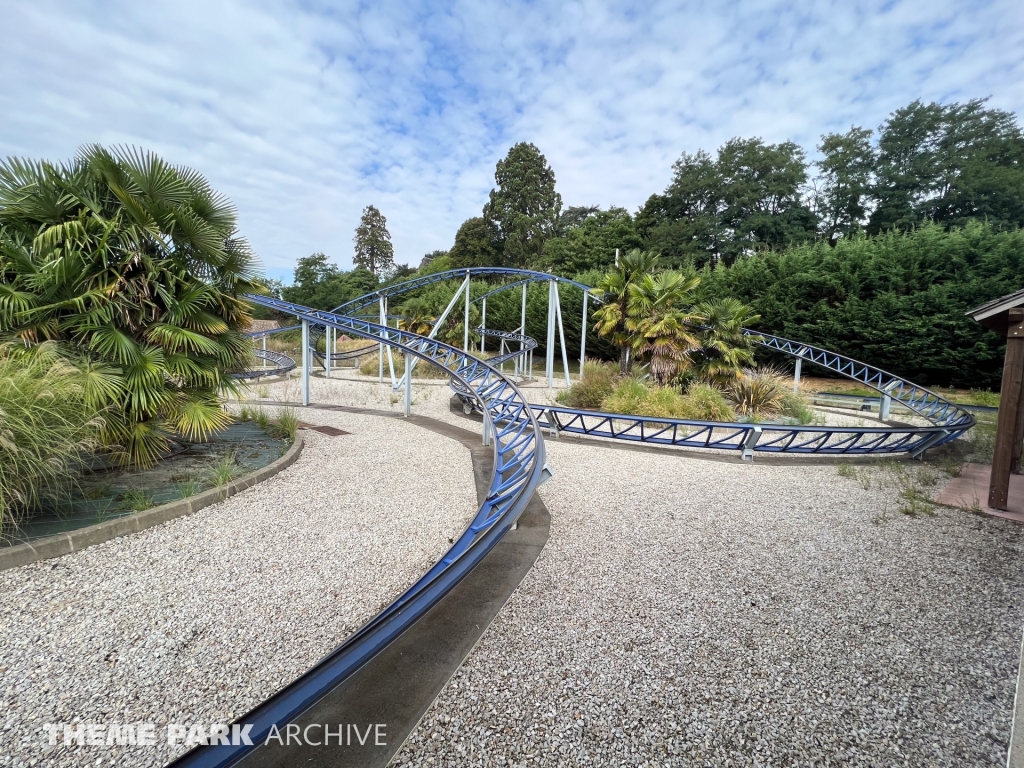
(73, 541)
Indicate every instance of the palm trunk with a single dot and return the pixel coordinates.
(625, 360)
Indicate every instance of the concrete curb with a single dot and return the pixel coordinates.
(73, 541)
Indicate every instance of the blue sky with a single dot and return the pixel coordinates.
(303, 113)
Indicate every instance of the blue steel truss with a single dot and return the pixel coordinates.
(519, 467)
(512, 338)
(282, 364)
(921, 401)
(524, 275)
(946, 420)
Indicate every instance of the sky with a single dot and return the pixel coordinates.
(303, 113)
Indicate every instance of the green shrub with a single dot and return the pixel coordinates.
(705, 402)
(633, 398)
(597, 383)
(45, 427)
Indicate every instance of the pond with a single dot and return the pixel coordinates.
(105, 492)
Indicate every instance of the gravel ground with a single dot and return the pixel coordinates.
(200, 619)
(698, 613)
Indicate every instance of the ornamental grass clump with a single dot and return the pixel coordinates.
(46, 426)
(634, 398)
(758, 392)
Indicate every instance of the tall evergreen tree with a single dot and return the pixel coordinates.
(373, 243)
(525, 206)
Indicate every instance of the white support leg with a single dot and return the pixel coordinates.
(437, 324)
(549, 362)
(796, 376)
(408, 390)
(327, 352)
(522, 330)
(305, 362)
(561, 334)
(264, 360)
(391, 357)
(483, 323)
(380, 347)
(465, 321)
(583, 334)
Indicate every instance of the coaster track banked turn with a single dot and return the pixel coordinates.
(519, 467)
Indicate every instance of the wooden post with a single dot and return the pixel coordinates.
(1010, 407)
(1018, 442)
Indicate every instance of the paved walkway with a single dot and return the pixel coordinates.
(970, 490)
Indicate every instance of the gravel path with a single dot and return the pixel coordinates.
(699, 613)
(200, 619)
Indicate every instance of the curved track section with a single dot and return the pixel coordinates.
(280, 365)
(946, 420)
(519, 467)
(527, 344)
(524, 275)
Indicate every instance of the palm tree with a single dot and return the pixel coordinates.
(416, 316)
(724, 350)
(614, 288)
(662, 323)
(135, 267)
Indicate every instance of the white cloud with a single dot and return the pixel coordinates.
(305, 113)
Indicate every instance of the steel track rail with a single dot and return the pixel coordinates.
(946, 420)
(524, 275)
(282, 365)
(519, 467)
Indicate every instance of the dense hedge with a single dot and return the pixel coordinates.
(896, 300)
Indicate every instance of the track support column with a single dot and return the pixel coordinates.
(305, 362)
(549, 357)
(483, 323)
(561, 334)
(522, 344)
(583, 334)
(408, 389)
(380, 347)
(264, 360)
(465, 321)
(796, 376)
(327, 352)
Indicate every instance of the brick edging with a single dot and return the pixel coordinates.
(73, 541)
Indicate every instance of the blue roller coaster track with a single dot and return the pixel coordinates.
(515, 427)
(944, 420)
(519, 467)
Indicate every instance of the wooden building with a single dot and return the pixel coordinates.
(1005, 316)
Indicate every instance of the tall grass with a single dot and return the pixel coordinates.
(45, 428)
(597, 383)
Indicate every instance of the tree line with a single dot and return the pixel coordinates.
(819, 236)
